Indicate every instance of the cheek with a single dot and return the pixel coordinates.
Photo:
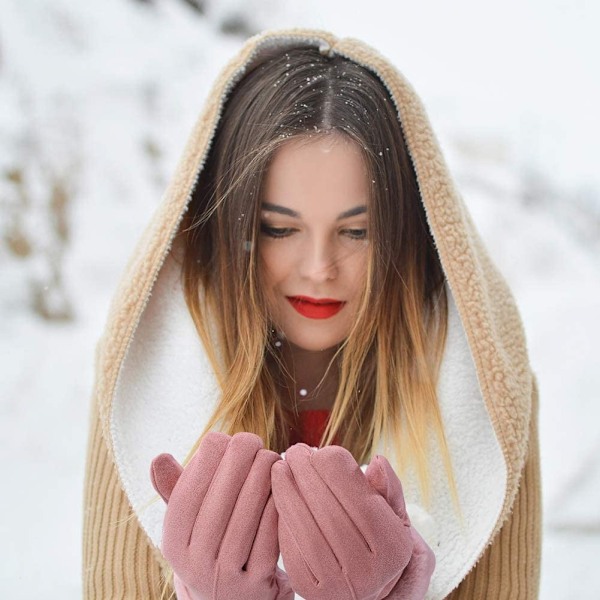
(357, 269)
(275, 264)
(272, 274)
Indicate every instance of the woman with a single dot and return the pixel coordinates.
(314, 276)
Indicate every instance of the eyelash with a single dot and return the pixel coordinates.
(282, 232)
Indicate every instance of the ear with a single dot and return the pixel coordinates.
(164, 473)
(384, 480)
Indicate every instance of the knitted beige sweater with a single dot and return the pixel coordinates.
(145, 400)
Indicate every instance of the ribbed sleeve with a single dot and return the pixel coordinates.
(510, 567)
(119, 561)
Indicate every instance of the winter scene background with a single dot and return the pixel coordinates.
(96, 102)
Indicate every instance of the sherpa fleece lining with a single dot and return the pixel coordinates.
(167, 391)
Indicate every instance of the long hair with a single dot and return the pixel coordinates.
(389, 362)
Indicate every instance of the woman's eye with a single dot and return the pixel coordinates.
(275, 232)
(357, 234)
(281, 232)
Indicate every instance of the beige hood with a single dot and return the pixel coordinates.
(155, 388)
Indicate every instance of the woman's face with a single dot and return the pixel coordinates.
(313, 238)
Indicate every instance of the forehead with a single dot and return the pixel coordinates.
(322, 174)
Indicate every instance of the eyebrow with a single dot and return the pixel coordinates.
(357, 210)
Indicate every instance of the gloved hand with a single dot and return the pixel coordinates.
(220, 527)
(339, 537)
(415, 579)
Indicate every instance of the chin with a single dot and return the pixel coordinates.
(314, 343)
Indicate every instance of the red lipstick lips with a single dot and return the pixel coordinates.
(315, 308)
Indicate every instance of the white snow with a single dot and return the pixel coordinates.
(97, 99)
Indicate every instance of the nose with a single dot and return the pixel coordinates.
(318, 261)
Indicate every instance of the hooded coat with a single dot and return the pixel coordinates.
(155, 390)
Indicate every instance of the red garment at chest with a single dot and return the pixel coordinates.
(310, 427)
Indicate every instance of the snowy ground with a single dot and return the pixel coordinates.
(96, 103)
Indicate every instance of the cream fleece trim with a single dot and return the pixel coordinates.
(167, 391)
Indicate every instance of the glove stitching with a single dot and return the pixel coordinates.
(202, 504)
(229, 522)
(337, 560)
(343, 508)
(404, 518)
(316, 580)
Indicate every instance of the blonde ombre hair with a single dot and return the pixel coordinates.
(389, 362)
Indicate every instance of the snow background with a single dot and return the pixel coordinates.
(96, 102)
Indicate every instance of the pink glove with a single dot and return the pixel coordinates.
(415, 579)
(220, 528)
(339, 537)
